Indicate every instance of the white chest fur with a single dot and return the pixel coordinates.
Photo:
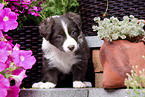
(59, 59)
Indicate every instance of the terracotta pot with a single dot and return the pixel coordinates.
(117, 59)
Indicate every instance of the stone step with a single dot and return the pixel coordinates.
(94, 41)
(72, 92)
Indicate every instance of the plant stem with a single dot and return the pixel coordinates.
(106, 9)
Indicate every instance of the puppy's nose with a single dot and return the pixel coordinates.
(71, 47)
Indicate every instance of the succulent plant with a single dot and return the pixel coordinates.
(113, 29)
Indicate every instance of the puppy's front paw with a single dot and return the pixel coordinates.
(78, 84)
(37, 85)
(41, 85)
(88, 84)
(47, 85)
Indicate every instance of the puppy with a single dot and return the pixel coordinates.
(64, 50)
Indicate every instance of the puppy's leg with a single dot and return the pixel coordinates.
(49, 79)
(79, 72)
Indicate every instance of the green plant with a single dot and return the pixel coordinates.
(32, 12)
(51, 8)
(136, 81)
(58, 7)
(113, 29)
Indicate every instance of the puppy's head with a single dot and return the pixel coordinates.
(64, 32)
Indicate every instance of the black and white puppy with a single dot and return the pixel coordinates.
(64, 49)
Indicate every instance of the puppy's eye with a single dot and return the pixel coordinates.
(59, 36)
(73, 33)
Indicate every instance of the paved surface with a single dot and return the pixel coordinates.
(71, 92)
(56, 92)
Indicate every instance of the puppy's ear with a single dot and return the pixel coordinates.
(45, 27)
(76, 18)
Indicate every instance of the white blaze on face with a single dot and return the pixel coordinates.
(70, 44)
(56, 16)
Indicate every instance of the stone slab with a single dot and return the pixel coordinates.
(100, 92)
(84, 92)
(56, 92)
(94, 41)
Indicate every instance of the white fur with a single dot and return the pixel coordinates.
(88, 84)
(59, 59)
(36, 85)
(69, 41)
(79, 84)
(56, 16)
(41, 85)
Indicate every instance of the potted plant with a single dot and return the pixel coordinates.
(112, 29)
(123, 48)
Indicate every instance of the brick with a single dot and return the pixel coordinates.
(98, 80)
(96, 61)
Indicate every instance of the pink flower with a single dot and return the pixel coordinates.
(8, 42)
(16, 3)
(8, 19)
(3, 55)
(2, 66)
(17, 71)
(3, 45)
(1, 34)
(13, 7)
(18, 78)
(25, 6)
(23, 11)
(23, 58)
(13, 61)
(13, 0)
(16, 47)
(13, 91)
(33, 13)
(1, 6)
(35, 8)
(9, 45)
(26, 2)
(4, 86)
(10, 39)
(36, 14)
(5, 41)
(8, 63)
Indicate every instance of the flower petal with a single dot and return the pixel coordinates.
(2, 66)
(28, 62)
(3, 55)
(18, 78)
(1, 6)
(13, 91)
(4, 86)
